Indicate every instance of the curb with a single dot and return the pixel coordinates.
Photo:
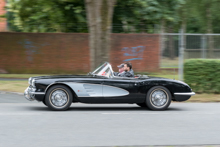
(12, 79)
(5, 92)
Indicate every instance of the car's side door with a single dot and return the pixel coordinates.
(87, 89)
(121, 90)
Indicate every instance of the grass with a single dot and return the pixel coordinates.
(205, 98)
(168, 63)
(13, 86)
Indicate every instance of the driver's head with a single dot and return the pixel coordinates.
(127, 66)
(120, 68)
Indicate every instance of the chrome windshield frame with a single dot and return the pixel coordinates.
(107, 65)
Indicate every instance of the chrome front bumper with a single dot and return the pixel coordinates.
(29, 94)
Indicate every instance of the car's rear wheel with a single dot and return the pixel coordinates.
(158, 98)
(59, 98)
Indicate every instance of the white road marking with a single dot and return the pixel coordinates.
(207, 113)
(6, 114)
(137, 113)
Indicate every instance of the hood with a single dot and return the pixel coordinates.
(62, 76)
(166, 79)
(152, 77)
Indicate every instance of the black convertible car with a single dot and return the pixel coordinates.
(101, 86)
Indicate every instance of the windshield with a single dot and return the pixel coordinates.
(104, 70)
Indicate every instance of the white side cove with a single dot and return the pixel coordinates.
(110, 91)
(96, 90)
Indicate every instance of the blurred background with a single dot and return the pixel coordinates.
(166, 38)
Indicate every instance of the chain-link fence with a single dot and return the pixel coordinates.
(177, 47)
(195, 46)
(169, 50)
(202, 46)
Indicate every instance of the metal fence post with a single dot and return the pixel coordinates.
(203, 46)
(161, 47)
(181, 52)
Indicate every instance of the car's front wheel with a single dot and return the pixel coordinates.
(59, 98)
(44, 102)
(158, 98)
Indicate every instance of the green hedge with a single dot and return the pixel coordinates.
(203, 75)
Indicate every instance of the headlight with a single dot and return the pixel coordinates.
(29, 80)
(33, 83)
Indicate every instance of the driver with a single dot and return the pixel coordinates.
(120, 69)
(128, 72)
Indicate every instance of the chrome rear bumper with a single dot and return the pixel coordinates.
(186, 93)
(183, 96)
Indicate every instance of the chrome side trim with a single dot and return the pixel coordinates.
(186, 93)
(37, 92)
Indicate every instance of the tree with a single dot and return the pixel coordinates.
(67, 16)
(99, 16)
(166, 12)
(169, 19)
(47, 16)
(206, 11)
(131, 16)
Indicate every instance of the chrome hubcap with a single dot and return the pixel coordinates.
(59, 98)
(159, 98)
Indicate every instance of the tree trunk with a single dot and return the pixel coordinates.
(209, 30)
(99, 16)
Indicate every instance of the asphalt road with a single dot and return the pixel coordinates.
(31, 124)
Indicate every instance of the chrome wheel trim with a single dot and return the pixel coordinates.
(59, 98)
(159, 98)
